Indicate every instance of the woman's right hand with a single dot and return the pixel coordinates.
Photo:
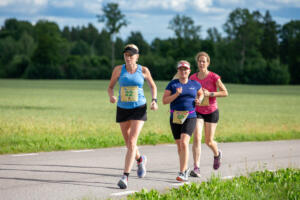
(113, 99)
(179, 90)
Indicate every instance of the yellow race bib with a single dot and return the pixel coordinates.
(129, 94)
(205, 102)
(180, 116)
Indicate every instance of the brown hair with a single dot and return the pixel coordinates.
(202, 53)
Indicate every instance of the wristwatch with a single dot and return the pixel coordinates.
(211, 94)
(154, 100)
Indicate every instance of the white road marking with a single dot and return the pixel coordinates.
(180, 184)
(171, 145)
(79, 151)
(123, 193)
(227, 177)
(26, 154)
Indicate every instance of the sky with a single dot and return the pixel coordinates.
(150, 17)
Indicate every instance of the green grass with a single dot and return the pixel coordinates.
(282, 184)
(47, 115)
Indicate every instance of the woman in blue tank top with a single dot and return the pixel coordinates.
(132, 107)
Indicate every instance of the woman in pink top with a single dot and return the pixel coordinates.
(207, 115)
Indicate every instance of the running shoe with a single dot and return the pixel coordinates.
(195, 172)
(141, 171)
(123, 182)
(183, 176)
(217, 160)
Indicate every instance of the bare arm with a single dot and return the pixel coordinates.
(152, 86)
(221, 93)
(200, 97)
(113, 80)
(168, 98)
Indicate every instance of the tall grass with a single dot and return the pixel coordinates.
(46, 115)
(282, 184)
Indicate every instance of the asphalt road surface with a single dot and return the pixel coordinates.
(93, 174)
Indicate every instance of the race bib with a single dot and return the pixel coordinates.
(205, 102)
(180, 116)
(129, 94)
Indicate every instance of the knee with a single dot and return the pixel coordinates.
(184, 145)
(209, 143)
(131, 145)
(197, 142)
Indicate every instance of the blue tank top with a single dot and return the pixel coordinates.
(136, 81)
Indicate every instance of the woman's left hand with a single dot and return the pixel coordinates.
(154, 105)
(206, 92)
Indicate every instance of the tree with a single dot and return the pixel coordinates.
(290, 49)
(81, 48)
(15, 28)
(187, 38)
(49, 52)
(27, 44)
(184, 27)
(103, 44)
(214, 35)
(48, 38)
(269, 46)
(137, 38)
(114, 21)
(244, 30)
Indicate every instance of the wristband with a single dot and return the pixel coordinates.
(154, 100)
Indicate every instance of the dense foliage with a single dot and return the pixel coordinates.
(254, 50)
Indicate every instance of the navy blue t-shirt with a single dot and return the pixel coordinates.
(186, 100)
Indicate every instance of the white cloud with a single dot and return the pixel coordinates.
(4, 3)
(176, 5)
(202, 5)
(267, 6)
(38, 2)
(206, 6)
(24, 6)
(226, 2)
(24, 2)
(281, 20)
(289, 3)
(63, 4)
(93, 7)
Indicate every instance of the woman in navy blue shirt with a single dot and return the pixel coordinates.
(183, 94)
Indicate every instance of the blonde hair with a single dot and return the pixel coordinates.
(202, 53)
(132, 46)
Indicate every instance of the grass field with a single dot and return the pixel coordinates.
(282, 184)
(46, 115)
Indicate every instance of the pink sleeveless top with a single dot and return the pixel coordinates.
(209, 83)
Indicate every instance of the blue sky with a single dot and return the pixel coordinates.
(150, 17)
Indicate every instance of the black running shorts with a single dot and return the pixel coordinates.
(211, 117)
(139, 113)
(187, 127)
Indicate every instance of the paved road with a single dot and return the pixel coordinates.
(94, 173)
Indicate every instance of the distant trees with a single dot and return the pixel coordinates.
(255, 49)
(290, 49)
(114, 21)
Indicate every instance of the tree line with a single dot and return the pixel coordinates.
(254, 50)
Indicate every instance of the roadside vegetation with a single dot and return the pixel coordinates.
(49, 115)
(278, 185)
